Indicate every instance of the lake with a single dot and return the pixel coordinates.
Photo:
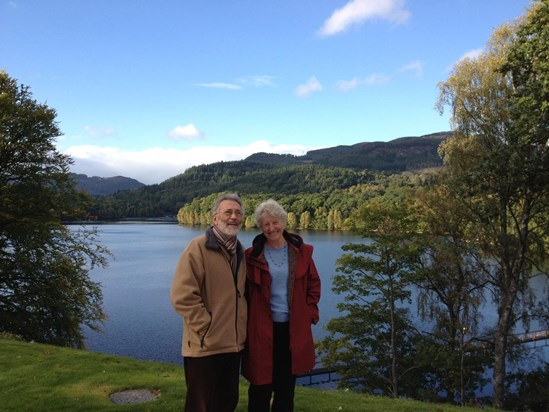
(136, 286)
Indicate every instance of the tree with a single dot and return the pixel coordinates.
(46, 294)
(528, 390)
(292, 220)
(451, 286)
(374, 338)
(305, 220)
(498, 159)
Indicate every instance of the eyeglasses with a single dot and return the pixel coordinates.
(229, 212)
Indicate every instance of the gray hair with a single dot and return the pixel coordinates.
(226, 196)
(270, 208)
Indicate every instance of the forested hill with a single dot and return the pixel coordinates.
(104, 185)
(405, 153)
(317, 171)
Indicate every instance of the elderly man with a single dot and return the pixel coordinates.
(208, 292)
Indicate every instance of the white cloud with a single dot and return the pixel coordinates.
(345, 85)
(154, 165)
(100, 132)
(471, 54)
(218, 85)
(357, 11)
(260, 80)
(188, 132)
(312, 85)
(375, 79)
(415, 67)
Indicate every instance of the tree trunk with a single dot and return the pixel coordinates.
(394, 351)
(505, 310)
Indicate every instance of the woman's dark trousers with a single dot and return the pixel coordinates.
(283, 386)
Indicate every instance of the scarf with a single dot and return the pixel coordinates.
(228, 246)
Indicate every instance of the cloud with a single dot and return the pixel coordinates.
(416, 67)
(471, 55)
(261, 80)
(312, 85)
(345, 85)
(188, 132)
(218, 85)
(154, 165)
(100, 132)
(375, 79)
(258, 80)
(357, 11)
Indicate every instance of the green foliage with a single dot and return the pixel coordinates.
(375, 339)
(415, 239)
(45, 292)
(527, 390)
(325, 210)
(449, 374)
(243, 177)
(498, 164)
(528, 64)
(451, 286)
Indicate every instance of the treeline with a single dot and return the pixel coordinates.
(244, 177)
(322, 210)
(318, 171)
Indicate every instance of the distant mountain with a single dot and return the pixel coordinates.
(327, 169)
(399, 155)
(103, 186)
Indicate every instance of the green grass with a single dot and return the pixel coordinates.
(37, 377)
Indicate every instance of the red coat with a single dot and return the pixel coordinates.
(303, 297)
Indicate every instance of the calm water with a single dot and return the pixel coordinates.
(141, 321)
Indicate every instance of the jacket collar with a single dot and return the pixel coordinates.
(259, 242)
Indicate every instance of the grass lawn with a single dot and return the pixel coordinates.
(37, 377)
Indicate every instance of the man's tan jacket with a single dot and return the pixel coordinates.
(210, 298)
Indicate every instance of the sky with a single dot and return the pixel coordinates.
(146, 89)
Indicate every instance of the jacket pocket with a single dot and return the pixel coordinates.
(195, 338)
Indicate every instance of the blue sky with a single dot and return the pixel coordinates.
(146, 89)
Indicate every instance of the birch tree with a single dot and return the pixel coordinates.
(498, 159)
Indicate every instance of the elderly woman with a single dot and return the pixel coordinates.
(283, 290)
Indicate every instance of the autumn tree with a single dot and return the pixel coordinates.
(498, 160)
(292, 220)
(305, 220)
(46, 294)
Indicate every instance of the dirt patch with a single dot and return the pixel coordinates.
(133, 396)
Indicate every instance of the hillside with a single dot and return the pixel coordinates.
(317, 171)
(104, 185)
(399, 155)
